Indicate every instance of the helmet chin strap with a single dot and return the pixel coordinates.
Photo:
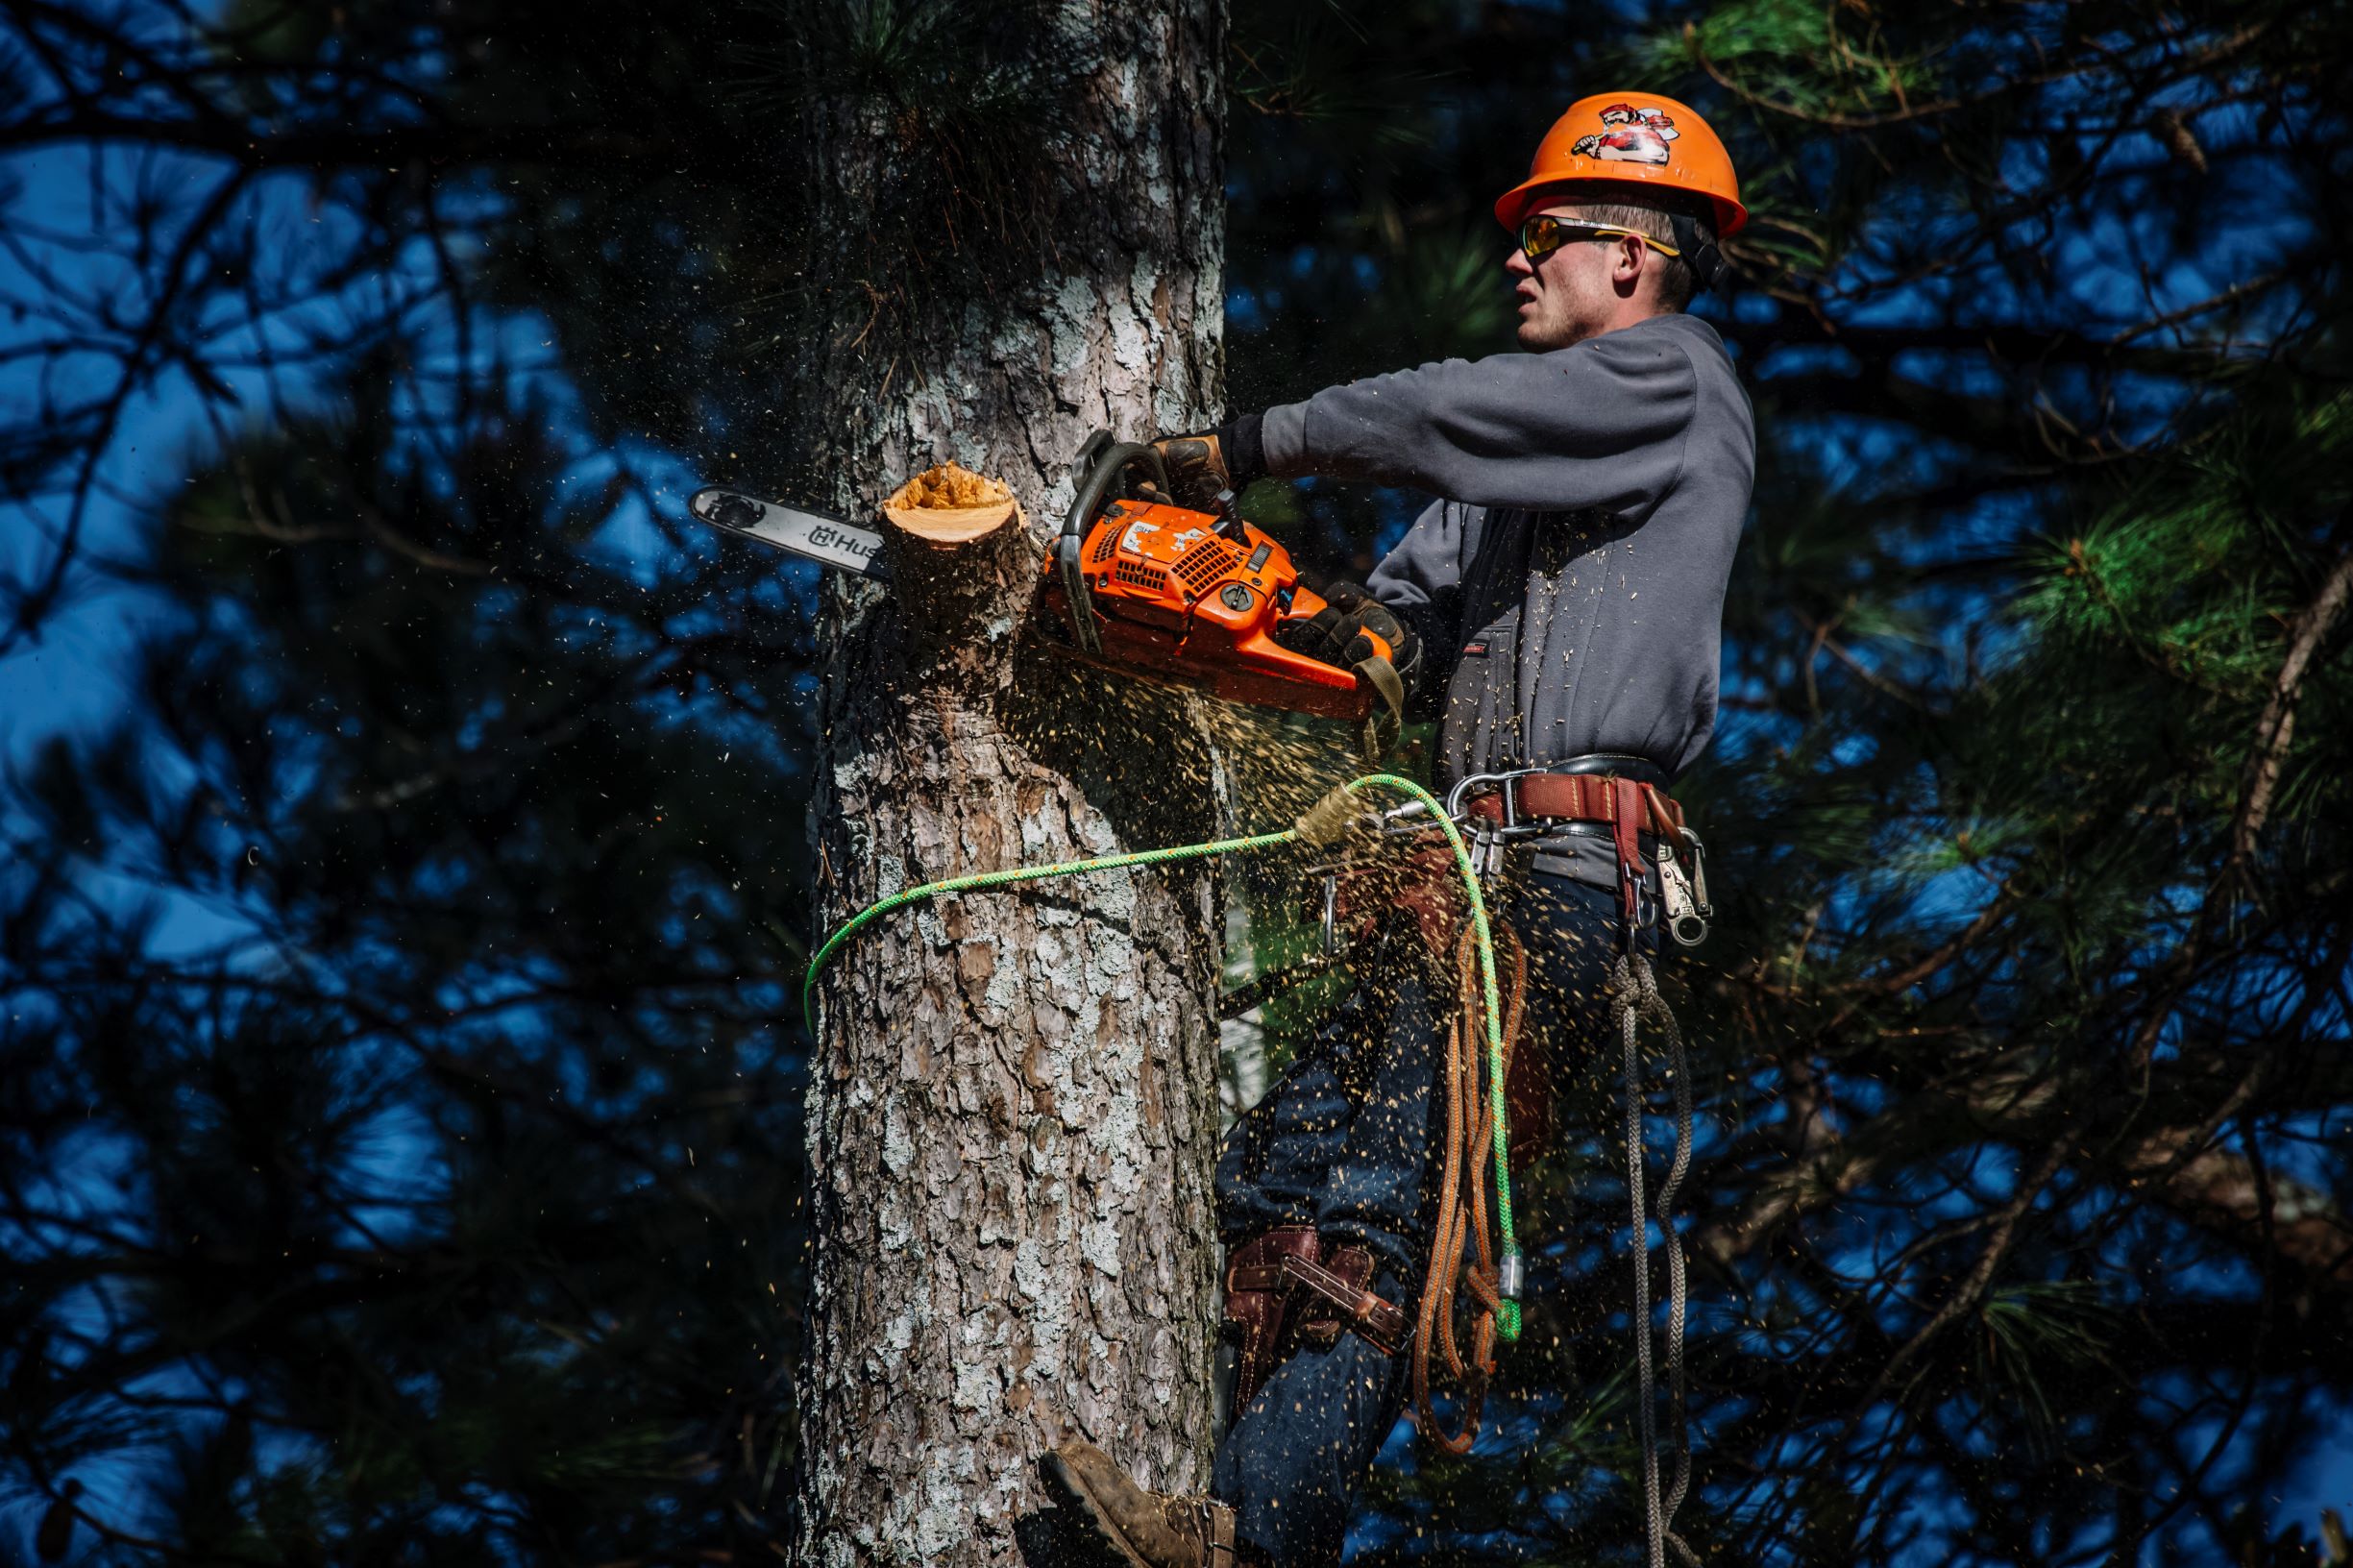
(1700, 249)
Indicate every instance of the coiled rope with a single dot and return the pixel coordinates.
(1463, 1216)
(1325, 820)
(1633, 997)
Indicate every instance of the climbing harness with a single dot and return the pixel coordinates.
(1324, 822)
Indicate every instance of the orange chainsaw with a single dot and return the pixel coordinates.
(1139, 585)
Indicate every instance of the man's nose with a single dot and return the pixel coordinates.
(1518, 264)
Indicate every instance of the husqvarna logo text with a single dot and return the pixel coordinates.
(824, 537)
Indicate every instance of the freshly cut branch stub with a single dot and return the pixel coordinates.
(950, 505)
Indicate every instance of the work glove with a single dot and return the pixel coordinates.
(1336, 633)
(1204, 463)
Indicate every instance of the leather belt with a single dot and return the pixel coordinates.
(1616, 792)
(1577, 797)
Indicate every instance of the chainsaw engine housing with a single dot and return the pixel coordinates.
(1187, 598)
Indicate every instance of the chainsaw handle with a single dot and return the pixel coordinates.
(1306, 603)
(1101, 461)
(1376, 672)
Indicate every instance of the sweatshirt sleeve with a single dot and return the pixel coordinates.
(1599, 424)
(1420, 579)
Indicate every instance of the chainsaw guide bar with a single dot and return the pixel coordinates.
(813, 536)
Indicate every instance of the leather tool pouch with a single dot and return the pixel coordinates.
(1285, 1289)
(1258, 1302)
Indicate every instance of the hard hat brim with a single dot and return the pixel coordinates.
(1513, 207)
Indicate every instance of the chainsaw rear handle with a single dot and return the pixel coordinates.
(1378, 671)
(1306, 602)
(1101, 462)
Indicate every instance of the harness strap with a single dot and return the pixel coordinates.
(1216, 1522)
(1383, 724)
(1626, 829)
(1629, 807)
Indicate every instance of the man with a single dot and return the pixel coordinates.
(1567, 596)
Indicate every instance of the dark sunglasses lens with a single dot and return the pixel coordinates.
(1540, 236)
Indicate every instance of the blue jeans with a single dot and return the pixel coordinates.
(1343, 1141)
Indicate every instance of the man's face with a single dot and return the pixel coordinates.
(1572, 294)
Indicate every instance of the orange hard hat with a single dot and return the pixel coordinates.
(1629, 138)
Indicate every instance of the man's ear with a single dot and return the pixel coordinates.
(1632, 259)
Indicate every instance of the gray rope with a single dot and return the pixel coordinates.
(1635, 1000)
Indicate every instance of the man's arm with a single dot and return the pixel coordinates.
(1420, 579)
(1596, 424)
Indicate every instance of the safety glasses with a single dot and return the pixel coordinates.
(1543, 233)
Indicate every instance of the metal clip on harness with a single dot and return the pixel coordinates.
(1489, 840)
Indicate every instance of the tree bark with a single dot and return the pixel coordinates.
(1013, 1105)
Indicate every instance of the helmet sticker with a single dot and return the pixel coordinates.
(1630, 136)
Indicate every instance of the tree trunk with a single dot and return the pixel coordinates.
(1013, 1106)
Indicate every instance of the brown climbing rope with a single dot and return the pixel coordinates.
(1462, 1208)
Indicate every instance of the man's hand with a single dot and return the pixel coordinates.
(1204, 463)
(1337, 633)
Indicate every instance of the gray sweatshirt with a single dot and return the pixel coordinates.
(1594, 498)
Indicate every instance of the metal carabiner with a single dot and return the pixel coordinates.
(1683, 921)
(1698, 874)
(1399, 820)
(1512, 796)
(1489, 839)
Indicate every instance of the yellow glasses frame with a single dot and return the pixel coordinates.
(1542, 233)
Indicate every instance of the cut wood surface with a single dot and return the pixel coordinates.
(934, 505)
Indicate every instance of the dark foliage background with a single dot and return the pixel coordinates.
(403, 889)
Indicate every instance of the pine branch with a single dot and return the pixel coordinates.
(2276, 727)
(2273, 730)
(2019, 1102)
(1973, 1289)
(260, 148)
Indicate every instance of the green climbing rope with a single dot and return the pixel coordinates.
(1507, 1318)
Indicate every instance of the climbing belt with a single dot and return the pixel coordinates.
(1323, 821)
(1462, 1215)
(1634, 1001)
